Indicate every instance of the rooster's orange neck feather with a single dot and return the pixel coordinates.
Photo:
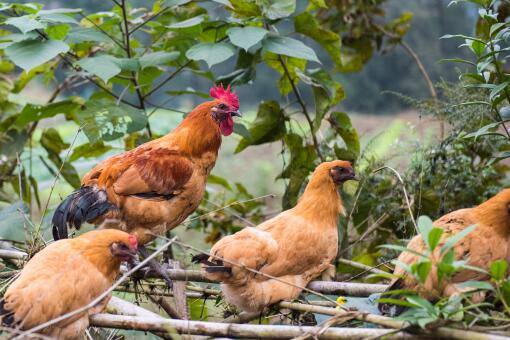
(198, 133)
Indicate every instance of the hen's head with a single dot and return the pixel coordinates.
(111, 243)
(225, 106)
(337, 171)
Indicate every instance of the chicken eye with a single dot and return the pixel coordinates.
(222, 106)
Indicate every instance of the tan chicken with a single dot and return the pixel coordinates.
(153, 188)
(296, 246)
(63, 277)
(488, 242)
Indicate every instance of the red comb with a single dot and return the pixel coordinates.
(224, 94)
(133, 241)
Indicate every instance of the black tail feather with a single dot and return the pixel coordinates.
(199, 258)
(215, 266)
(6, 317)
(388, 308)
(83, 205)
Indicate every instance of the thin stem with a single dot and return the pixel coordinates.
(134, 77)
(150, 18)
(167, 79)
(102, 30)
(303, 107)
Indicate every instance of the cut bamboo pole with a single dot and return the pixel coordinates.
(234, 330)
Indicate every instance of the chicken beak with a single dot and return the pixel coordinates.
(235, 114)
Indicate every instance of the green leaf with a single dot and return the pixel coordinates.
(57, 32)
(103, 120)
(241, 130)
(269, 125)
(498, 269)
(89, 150)
(28, 54)
(211, 53)
(424, 227)
(483, 285)
(157, 58)
(33, 113)
(277, 9)
(293, 65)
(82, 34)
(289, 47)
(25, 23)
(307, 24)
(498, 89)
(302, 162)
(451, 241)
(188, 23)
(341, 122)
(103, 66)
(12, 222)
(51, 141)
(189, 90)
(327, 92)
(245, 8)
(246, 37)
(421, 270)
(421, 302)
(213, 179)
(434, 238)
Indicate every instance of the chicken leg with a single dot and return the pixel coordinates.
(155, 266)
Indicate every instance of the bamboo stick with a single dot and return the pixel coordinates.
(361, 266)
(12, 254)
(234, 330)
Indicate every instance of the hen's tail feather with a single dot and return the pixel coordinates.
(215, 266)
(83, 205)
(6, 317)
(388, 308)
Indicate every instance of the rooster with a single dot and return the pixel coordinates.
(295, 246)
(488, 242)
(154, 187)
(63, 277)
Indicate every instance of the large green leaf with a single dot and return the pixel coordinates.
(33, 113)
(246, 37)
(341, 122)
(157, 58)
(82, 34)
(327, 92)
(294, 65)
(103, 120)
(28, 54)
(307, 24)
(104, 66)
(289, 47)
(188, 23)
(89, 150)
(276, 9)
(269, 125)
(25, 23)
(211, 53)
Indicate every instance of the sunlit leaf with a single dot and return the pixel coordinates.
(28, 54)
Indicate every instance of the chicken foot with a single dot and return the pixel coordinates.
(155, 266)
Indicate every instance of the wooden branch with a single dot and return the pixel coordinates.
(327, 287)
(231, 330)
(12, 254)
(443, 332)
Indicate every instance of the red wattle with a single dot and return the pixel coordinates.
(227, 126)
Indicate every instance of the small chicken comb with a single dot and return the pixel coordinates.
(224, 94)
(133, 241)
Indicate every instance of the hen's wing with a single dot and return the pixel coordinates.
(56, 281)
